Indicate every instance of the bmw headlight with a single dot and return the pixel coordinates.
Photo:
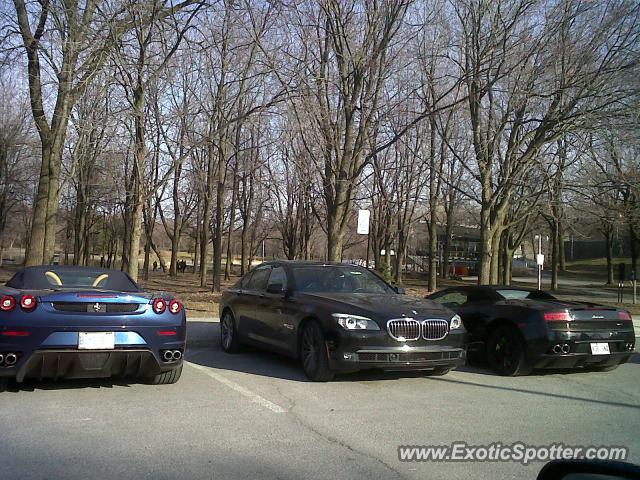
(455, 322)
(355, 322)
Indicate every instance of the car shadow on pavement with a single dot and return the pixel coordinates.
(32, 385)
(203, 348)
(254, 361)
(483, 369)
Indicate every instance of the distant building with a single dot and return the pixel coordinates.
(464, 248)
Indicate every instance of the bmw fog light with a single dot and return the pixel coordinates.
(455, 322)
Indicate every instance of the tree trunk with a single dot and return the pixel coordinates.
(177, 222)
(35, 248)
(206, 216)
(446, 249)
(486, 237)
(173, 261)
(608, 238)
(400, 256)
(42, 237)
(555, 253)
(633, 240)
(137, 182)
(196, 241)
(147, 258)
(196, 252)
(232, 221)
(507, 254)
(217, 239)
(79, 228)
(561, 248)
(243, 250)
(335, 235)
(495, 257)
(433, 251)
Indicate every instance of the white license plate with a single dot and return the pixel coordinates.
(96, 341)
(600, 349)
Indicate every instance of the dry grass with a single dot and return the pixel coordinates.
(198, 301)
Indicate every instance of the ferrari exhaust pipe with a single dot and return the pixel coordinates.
(10, 359)
(557, 348)
(167, 355)
(1, 358)
(177, 355)
(566, 348)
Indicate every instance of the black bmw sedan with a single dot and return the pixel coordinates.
(339, 318)
(517, 330)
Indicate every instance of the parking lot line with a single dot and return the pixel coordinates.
(254, 397)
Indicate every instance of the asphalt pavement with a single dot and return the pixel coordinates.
(253, 415)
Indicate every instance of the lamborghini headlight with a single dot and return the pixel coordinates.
(355, 322)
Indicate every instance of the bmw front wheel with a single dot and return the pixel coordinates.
(313, 353)
(228, 333)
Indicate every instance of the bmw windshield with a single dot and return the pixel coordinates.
(338, 279)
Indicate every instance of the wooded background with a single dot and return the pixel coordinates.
(228, 122)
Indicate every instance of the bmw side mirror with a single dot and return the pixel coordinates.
(400, 290)
(275, 288)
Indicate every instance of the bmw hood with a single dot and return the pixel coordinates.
(383, 306)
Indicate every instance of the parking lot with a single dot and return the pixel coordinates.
(253, 415)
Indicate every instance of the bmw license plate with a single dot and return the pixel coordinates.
(600, 349)
(96, 341)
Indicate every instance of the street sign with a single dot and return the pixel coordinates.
(363, 222)
(540, 259)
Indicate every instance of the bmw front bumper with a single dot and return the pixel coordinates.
(351, 351)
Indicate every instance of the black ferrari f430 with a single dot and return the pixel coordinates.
(517, 330)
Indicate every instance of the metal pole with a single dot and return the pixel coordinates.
(368, 248)
(634, 291)
(572, 247)
(539, 266)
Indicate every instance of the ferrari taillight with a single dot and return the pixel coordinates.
(7, 304)
(28, 302)
(175, 306)
(159, 305)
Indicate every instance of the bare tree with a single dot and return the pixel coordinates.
(534, 72)
(345, 46)
(66, 43)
